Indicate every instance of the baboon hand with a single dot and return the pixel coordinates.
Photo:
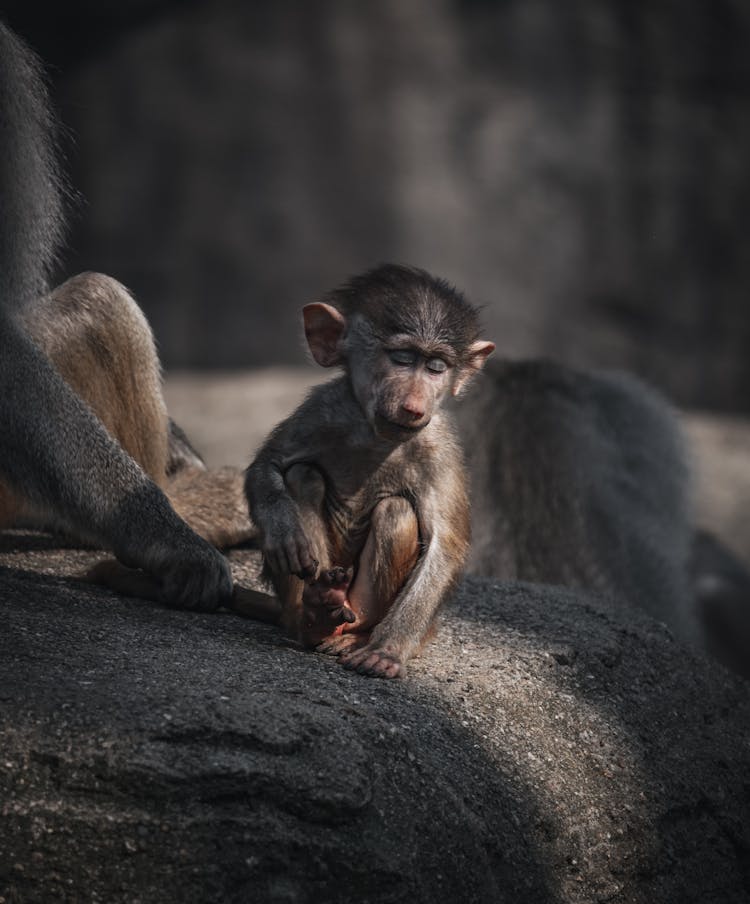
(197, 578)
(288, 551)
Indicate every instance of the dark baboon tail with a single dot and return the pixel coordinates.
(181, 453)
(31, 186)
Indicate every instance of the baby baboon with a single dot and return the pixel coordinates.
(359, 497)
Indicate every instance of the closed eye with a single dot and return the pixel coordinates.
(402, 356)
(436, 365)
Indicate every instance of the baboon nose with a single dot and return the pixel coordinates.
(413, 410)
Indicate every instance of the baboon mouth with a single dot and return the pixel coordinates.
(396, 430)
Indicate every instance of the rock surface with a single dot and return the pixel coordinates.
(545, 748)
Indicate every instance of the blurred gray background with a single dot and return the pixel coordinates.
(580, 169)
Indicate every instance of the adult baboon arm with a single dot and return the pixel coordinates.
(57, 454)
(53, 450)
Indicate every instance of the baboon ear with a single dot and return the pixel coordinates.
(324, 327)
(479, 351)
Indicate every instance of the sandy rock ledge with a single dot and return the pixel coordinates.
(545, 748)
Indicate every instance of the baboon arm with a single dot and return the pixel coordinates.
(136, 583)
(277, 516)
(52, 448)
(56, 453)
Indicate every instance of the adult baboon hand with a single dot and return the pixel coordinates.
(197, 577)
(148, 534)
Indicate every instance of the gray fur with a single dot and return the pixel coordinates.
(394, 298)
(580, 479)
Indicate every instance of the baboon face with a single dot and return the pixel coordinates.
(405, 338)
(398, 380)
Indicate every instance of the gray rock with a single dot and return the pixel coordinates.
(545, 747)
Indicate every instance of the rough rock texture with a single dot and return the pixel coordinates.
(546, 748)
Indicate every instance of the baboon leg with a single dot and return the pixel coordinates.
(388, 558)
(213, 503)
(99, 341)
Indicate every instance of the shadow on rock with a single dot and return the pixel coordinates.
(544, 748)
(661, 728)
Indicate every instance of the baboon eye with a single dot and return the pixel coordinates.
(402, 356)
(436, 366)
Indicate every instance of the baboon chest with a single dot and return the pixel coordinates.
(351, 497)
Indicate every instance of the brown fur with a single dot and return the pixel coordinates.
(96, 336)
(213, 504)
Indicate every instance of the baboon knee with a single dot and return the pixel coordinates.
(395, 534)
(99, 286)
(94, 316)
(395, 517)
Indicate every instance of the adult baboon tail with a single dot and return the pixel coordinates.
(181, 453)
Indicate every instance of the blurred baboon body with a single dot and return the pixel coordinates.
(580, 478)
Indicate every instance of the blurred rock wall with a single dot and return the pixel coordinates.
(580, 169)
